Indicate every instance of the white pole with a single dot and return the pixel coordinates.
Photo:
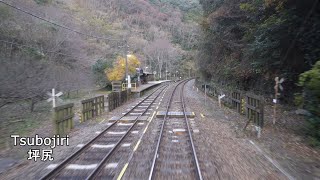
(129, 82)
(220, 97)
(53, 98)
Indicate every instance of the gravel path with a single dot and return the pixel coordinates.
(222, 152)
(284, 143)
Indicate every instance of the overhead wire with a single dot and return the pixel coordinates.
(44, 73)
(52, 52)
(56, 24)
(20, 46)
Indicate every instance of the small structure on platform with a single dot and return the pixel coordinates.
(145, 77)
(116, 86)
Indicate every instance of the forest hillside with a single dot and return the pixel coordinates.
(57, 44)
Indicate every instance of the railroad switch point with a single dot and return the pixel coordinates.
(161, 114)
(143, 118)
(129, 118)
(114, 118)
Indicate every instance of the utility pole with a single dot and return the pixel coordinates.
(126, 54)
(125, 46)
(127, 78)
(127, 75)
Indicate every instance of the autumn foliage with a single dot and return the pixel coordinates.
(118, 71)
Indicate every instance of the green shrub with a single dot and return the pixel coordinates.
(310, 81)
(98, 70)
(4, 12)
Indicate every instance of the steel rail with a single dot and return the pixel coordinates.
(161, 132)
(190, 135)
(98, 168)
(57, 169)
(132, 153)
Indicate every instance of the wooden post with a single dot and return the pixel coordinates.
(97, 101)
(95, 107)
(32, 104)
(205, 94)
(70, 122)
(243, 102)
(261, 113)
(103, 105)
(83, 113)
(275, 99)
(55, 119)
(276, 94)
(63, 118)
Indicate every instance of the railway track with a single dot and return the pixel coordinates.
(98, 158)
(175, 156)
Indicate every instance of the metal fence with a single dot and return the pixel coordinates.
(248, 104)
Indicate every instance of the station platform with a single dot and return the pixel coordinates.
(139, 91)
